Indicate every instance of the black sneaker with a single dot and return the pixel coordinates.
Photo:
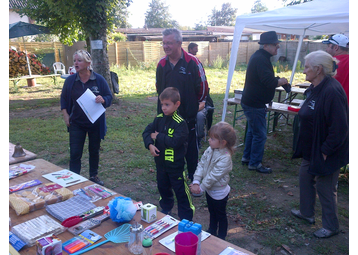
(245, 161)
(96, 180)
(166, 212)
(261, 169)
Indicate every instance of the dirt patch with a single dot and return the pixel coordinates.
(43, 113)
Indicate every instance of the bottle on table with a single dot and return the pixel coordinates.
(147, 246)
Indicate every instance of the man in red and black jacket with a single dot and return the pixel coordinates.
(185, 72)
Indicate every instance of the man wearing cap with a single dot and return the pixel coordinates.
(259, 90)
(338, 47)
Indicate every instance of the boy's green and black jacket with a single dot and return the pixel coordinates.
(171, 140)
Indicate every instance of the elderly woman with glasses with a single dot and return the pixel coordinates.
(322, 143)
(75, 118)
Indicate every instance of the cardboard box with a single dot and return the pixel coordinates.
(149, 213)
(238, 93)
(49, 245)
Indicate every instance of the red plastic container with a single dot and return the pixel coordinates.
(293, 108)
(186, 243)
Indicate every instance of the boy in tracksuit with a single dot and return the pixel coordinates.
(166, 139)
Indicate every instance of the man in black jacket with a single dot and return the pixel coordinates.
(259, 90)
(185, 72)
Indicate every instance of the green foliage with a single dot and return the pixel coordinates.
(46, 38)
(40, 53)
(225, 17)
(120, 14)
(294, 2)
(258, 7)
(118, 37)
(158, 16)
(220, 63)
(72, 20)
(281, 67)
(200, 26)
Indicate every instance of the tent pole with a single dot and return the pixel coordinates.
(296, 60)
(27, 59)
(233, 56)
(297, 55)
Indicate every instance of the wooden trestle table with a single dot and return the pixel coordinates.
(211, 246)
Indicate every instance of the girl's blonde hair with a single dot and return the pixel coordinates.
(224, 131)
(84, 55)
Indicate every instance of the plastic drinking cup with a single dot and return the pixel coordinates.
(186, 243)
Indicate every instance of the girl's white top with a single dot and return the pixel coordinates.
(213, 172)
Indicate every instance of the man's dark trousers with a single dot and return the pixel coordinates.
(192, 153)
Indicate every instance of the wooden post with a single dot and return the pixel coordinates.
(127, 57)
(247, 52)
(116, 52)
(209, 53)
(143, 52)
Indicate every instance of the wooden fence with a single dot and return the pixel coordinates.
(136, 52)
(133, 53)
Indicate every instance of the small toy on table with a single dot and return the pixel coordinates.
(24, 185)
(90, 223)
(161, 226)
(49, 245)
(122, 209)
(100, 190)
(15, 171)
(81, 241)
(73, 220)
(87, 194)
(149, 213)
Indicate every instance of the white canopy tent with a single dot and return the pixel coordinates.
(319, 17)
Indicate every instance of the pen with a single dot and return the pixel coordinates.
(170, 241)
(85, 192)
(73, 181)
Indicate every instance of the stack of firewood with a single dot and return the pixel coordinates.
(18, 64)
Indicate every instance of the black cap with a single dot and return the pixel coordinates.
(269, 37)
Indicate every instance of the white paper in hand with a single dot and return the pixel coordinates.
(88, 104)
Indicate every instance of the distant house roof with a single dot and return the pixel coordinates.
(209, 30)
(218, 33)
(14, 4)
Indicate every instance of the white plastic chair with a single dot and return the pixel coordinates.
(58, 67)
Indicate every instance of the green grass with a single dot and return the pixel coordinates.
(259, 204)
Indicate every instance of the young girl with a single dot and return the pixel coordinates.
(212, 176)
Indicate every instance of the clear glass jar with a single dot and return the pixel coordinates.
(135, 240)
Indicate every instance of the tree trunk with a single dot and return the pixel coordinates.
(100, 58)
